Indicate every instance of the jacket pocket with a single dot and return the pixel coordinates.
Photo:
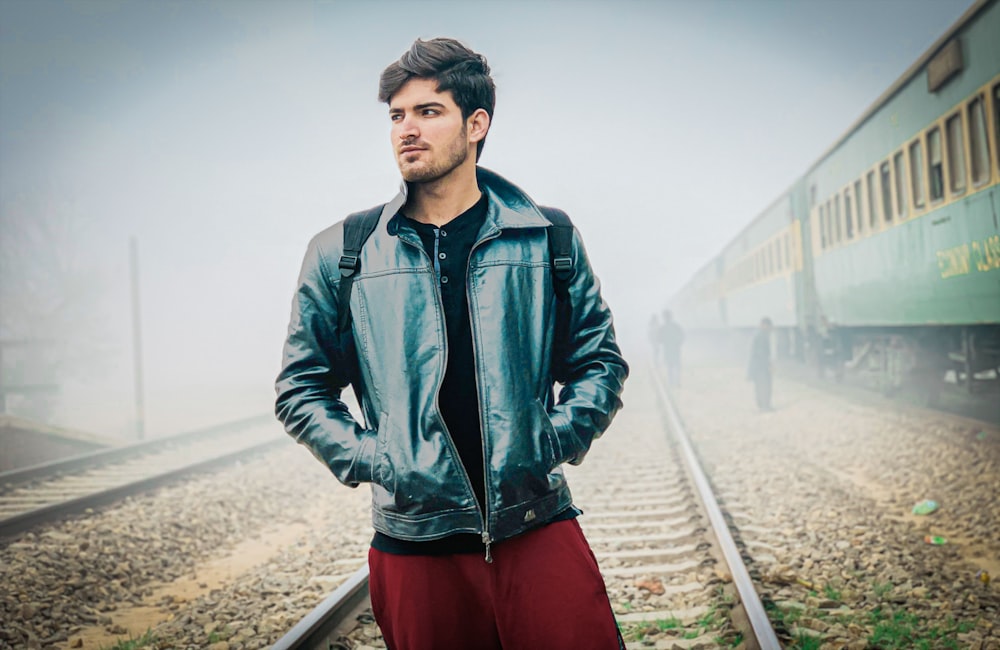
(523, 454)
(382, 473)
(549, 440)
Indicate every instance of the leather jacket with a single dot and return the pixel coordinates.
(420, 490)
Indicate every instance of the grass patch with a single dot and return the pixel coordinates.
(639, 631)
(888, 628)
(786, 617)
(881, 589)
(735, 640)
(671, 623)
(806, 642)
(831, 593)
(133, 643)
(711, 620)
(221, 634)
(898, 630)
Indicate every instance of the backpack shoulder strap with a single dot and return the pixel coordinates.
(560, 235)
(358, 227)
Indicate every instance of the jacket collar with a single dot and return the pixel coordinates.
(509, 205)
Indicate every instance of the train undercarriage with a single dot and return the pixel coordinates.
(923, 361)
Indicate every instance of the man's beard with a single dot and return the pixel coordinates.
(457, 154)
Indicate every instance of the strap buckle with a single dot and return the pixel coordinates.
(348, 265)
(563, 266)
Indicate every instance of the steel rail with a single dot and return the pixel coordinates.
(23, 521)
(313, 630)
(756, 614)
(93, 458)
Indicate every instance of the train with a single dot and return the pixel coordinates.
(883, 257)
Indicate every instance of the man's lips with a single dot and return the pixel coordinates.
(410, 149)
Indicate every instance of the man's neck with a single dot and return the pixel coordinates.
(440, 201)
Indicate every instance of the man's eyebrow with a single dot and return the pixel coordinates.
(418, 107)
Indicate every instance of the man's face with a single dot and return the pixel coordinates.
(429, 136)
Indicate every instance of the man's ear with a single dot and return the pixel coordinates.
(478, 125)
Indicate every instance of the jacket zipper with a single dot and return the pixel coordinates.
(487, 539)
(440, 302)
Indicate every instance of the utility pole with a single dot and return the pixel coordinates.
(3, 392)
(140, 413)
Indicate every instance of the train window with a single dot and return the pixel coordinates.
(788, 252)
(996, 121)
(848, 216)
(886, 182)
(859, 206)
(836, 219)
(822, 227)
(777, 255)
(956, 153)
(979, 144)
(900, 173)
(829, 223)
(872, 206)
(934, 165)
(917, 172)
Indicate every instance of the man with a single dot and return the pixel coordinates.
(759, 370)
(456, 338)
(672, 337)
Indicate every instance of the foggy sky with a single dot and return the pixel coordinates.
(223, 135)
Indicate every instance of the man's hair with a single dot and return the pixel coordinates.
(453, 66)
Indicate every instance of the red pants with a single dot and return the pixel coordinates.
(542, 590)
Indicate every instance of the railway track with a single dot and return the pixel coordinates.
(832, 545)
(49, 491)
(672, 569)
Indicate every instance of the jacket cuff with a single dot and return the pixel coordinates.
(565, 435)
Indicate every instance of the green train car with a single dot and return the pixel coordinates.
(884, 256)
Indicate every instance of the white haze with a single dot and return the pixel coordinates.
(223, 135)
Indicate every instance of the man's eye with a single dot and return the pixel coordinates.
(430, 111)
(395, 117)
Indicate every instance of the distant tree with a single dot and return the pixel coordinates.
(50, 322)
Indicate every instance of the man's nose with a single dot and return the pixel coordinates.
(406, 128)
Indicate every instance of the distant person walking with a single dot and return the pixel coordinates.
(759, 370)
(671, 338)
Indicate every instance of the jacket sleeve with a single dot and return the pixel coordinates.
(589, 366)
(310, 383)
